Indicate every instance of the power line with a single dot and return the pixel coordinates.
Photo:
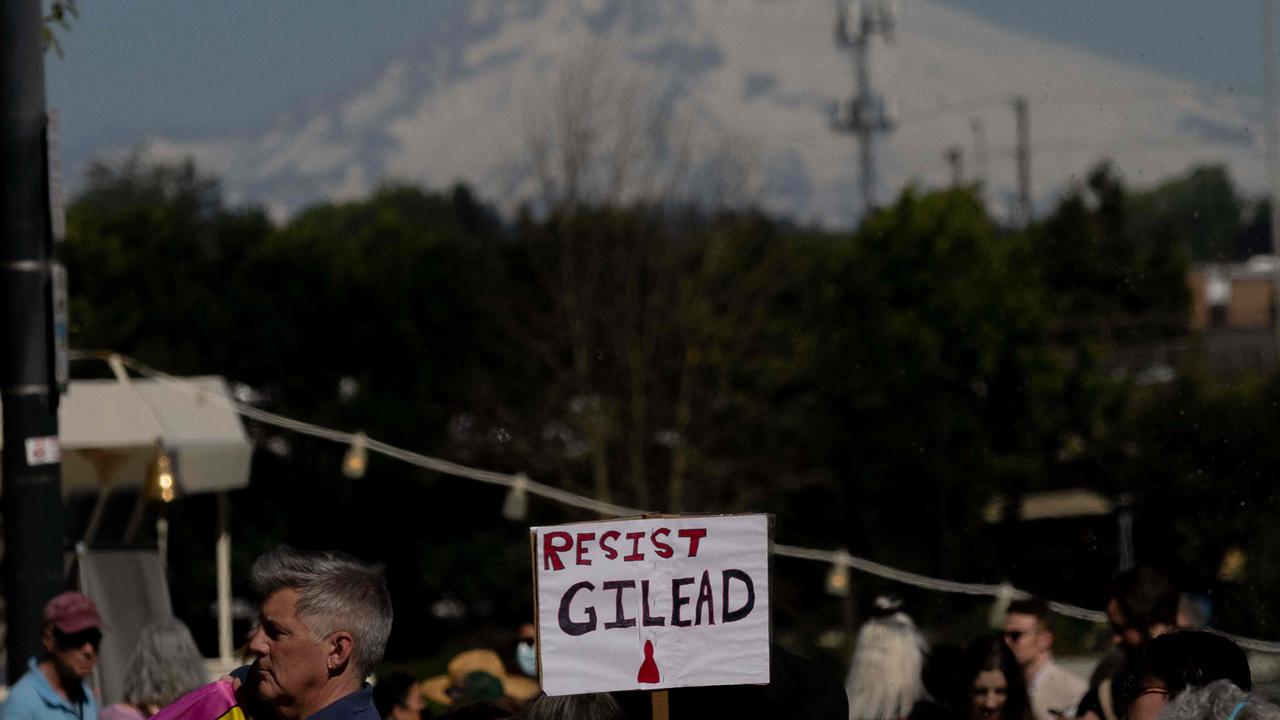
(519, 482)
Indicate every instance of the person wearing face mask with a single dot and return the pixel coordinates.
(397, 697)
(989, 683)
(526, 651)
(54, 686)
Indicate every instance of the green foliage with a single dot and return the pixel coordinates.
(1116, 263)
(61, 13)
(874, 390)
(1200, 213)
(937, 370)
(1210, 457)
(152, 250)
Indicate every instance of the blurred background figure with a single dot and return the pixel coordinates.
(1180, 661)
(1195, 610)
(55, 686)
(1028, 629)
(1219, 700)
(397, 697)
(165, 665)
(478, 676)
(591, 706)
(525, 654)
(1141, 605)
(989, 683)
(885, 676)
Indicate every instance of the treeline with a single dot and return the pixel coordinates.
(876, 389)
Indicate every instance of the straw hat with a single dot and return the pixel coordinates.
(461, 677)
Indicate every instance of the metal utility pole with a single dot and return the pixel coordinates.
(1024, 160)
(979, 152)
(32, 496)
(866, 114)
(955, 159)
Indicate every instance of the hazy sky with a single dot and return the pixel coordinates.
(194, 66)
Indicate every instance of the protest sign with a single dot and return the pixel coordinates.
(652, 603)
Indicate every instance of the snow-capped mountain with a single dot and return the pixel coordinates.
(746, 87)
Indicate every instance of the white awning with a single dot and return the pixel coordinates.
(108, 431)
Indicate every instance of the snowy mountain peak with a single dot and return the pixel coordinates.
(728, 100)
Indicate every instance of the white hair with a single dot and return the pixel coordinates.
(164, 666)
(335, 592)
(885, 676)
(1217, 701)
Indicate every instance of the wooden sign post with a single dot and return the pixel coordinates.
(658, 699)
(652, 603)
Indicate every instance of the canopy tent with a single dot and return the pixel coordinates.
(108, 431)
(108, 434)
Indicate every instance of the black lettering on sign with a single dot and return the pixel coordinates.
(620, 619)
(646, 619)
(677, 602)
(569, 626)
(704, 598)
(736, 615)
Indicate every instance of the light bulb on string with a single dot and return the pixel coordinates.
(161, 483)
(515, 507)
(838, 575)
(1005, 595)
(356, 460)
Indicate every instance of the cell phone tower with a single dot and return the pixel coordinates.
(867, 113)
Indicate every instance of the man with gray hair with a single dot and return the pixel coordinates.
(322, 627)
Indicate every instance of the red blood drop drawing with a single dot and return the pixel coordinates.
(648, 668)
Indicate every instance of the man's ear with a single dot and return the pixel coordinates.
(46, 637)
(1046, 639)
(340, 644)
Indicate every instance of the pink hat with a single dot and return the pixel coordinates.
(72, 612)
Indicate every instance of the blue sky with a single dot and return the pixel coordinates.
(194, 66)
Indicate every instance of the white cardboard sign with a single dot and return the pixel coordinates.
(652, 604)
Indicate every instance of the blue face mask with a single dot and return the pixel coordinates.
(526, 658)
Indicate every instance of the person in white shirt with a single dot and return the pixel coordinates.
(1028, 631)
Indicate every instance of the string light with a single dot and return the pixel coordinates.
(515, 506)
(356, 461)
(611, 509)
(1005, 595)
(838, 575)
(161, 484)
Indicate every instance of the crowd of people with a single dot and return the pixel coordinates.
(1158, 670)
(325, 619)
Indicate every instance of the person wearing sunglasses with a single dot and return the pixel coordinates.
(54, 686)
(1028, 631)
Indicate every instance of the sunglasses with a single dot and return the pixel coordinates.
(71, 641)
(1014, 636)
